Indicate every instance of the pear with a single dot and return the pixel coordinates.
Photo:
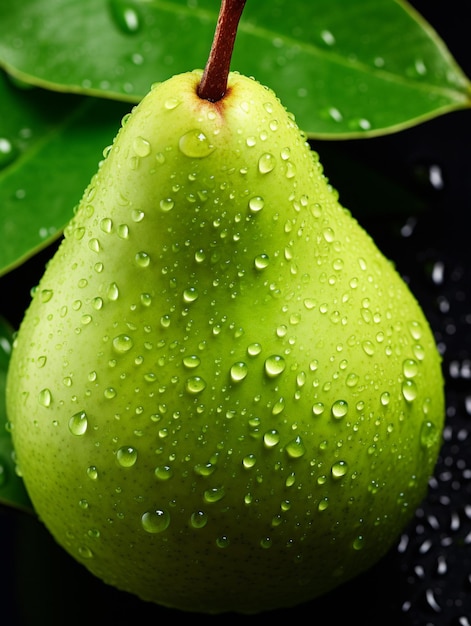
(222, 396)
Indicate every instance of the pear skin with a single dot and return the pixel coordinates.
(222, 397)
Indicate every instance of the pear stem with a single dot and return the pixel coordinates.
(213, 83)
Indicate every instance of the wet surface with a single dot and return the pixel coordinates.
(425, 579)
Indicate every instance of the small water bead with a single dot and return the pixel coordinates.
(339, 409)
(127, 19)
(155, 521)
(318, 408)
(339, 469)
(323, 504)
(410, 368)
(295, 448)
(271, 438)
(256, 204)
(46, 295)
(195, 385)
(123, 231)
(78, 423)
(166, 204)
(274, 365)
(190, 294)
(223, 541)
(238, 372)
(254, 349)
(163, 473)
(352, 380)
(215, 494)
(122, 343)
(92, 472)
(195, 144)
(172, 103)
(45, 398)
(358, 543)
(198, 519)
(415, 330)
(106, 225)
(126, 456)
(368, 347)
(85, 552)
(113, 292)
(261, 261)
(8, 152)
(142, 259)
(409, 390)
(429, 434)
(266, 163)
(191, 361)
(249, 461)
(385, 398)
(137, 215)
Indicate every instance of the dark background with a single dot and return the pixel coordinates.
(419, 183)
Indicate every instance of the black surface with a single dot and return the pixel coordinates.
(425, 580)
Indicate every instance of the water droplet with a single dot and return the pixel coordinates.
(167, 204)
(318, 408)
(274, 365)
(7, 152)
(113, 292)
(195, 385)
(222, 542)
(415, 330)
(429, 434)
(261, 261)
(214, 494)
(155, 521)
(78, 423)
(249, 461)
(254, 349)
(266, 163)
(271, 438)
(339, 469)
(410, 368)
(352, 380)
(190, 295)
(238, 372)
(46, 295)
(368, 347)
(358, 543)
(191, 361)
(164, 472)
(126, 456)
(339, 409)
(409, 390)
(142, 259)
(92, 472)
(45, 398)
(122, 343)
(109, 393)
(198, 519)
(126, 17)
(295, 448)
(323, 504)
(85, 552)
(385, 398)
(256, 204)
(171, 103)
(195, 144)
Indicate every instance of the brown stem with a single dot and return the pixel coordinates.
(213, 83)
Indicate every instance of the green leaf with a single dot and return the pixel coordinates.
(52, 144)
(344, 67)
(12, 489)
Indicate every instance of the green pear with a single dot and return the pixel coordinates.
(222, 397)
